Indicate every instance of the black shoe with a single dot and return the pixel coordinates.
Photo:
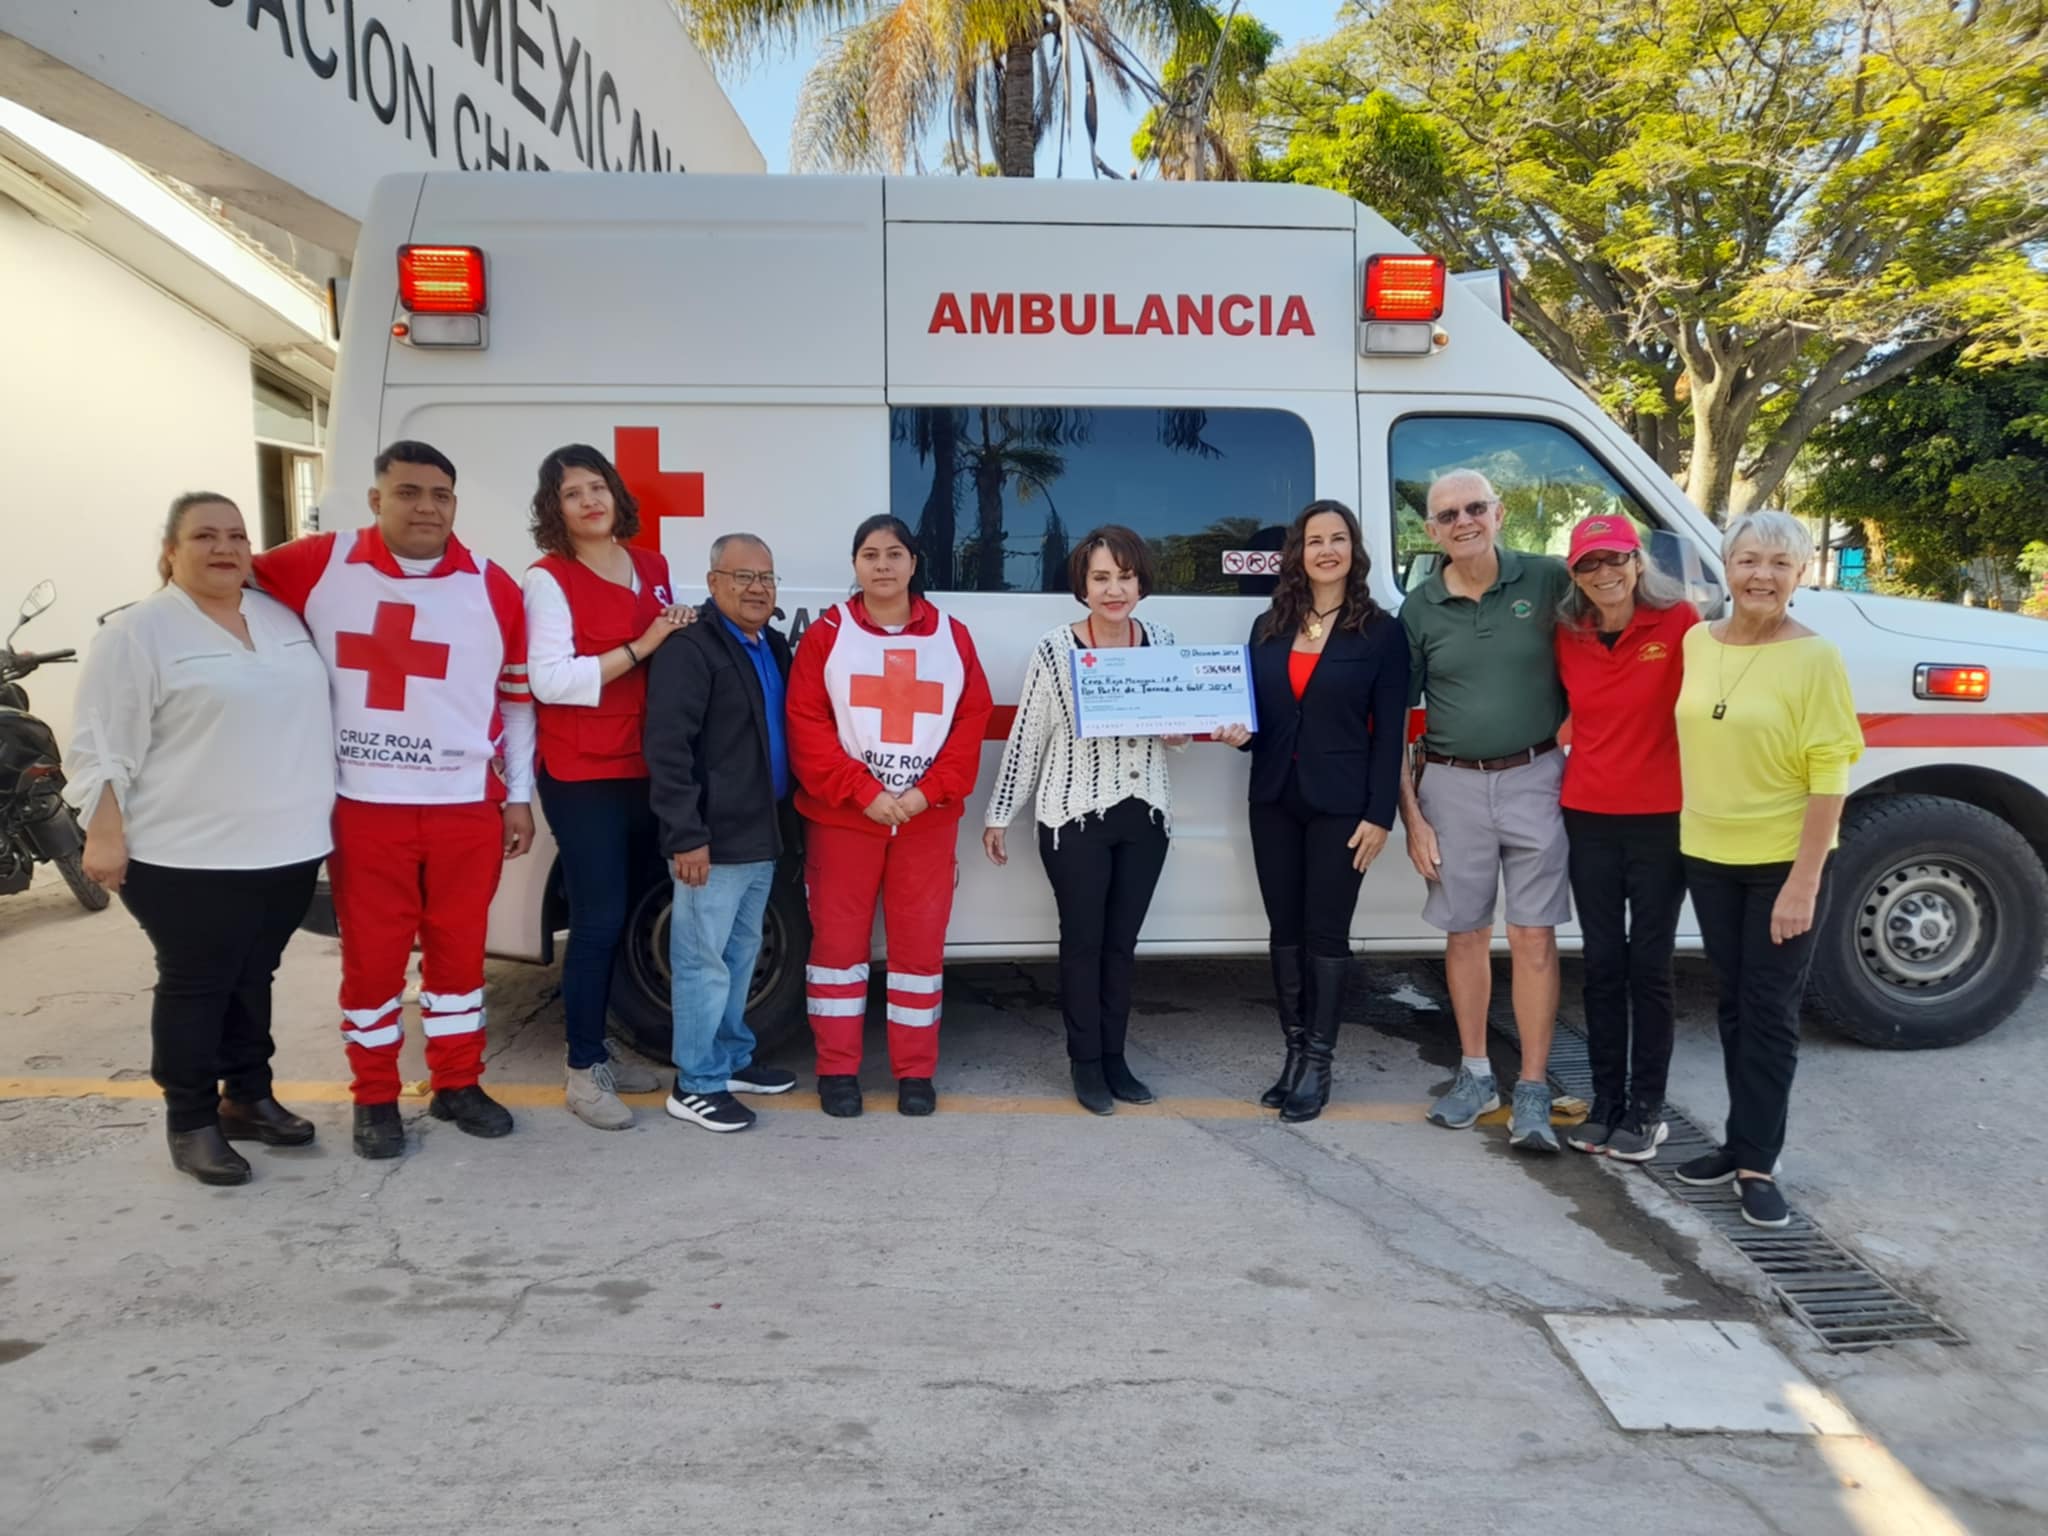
(263, 1120)
(839, 1095)
(915, 1096)
(379, 1131)
(1762, 1203)
(474, 1112)
(1716, 1167)
(713, 1111)
(753, 1079)
(1123, 1085)
(206, 1155)
(1089, 1088)
(1319, 1037)
(1287, 1001)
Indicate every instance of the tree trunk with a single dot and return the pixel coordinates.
(1017, 155)
(1716, 441)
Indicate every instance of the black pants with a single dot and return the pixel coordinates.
(1628, 883)
(605, 830)
(1103, 870)
(1761, 987)
(218, 935)
(1305, 874)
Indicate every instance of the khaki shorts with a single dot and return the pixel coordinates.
(1492, 827)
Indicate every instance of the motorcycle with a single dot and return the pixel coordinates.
(36, 826)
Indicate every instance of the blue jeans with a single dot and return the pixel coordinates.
(714, 936)
(605, 831)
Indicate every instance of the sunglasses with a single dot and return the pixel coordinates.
(1604, 558)
(1448, 518)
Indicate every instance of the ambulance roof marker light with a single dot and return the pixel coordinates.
(1404, 288)
(441, 279)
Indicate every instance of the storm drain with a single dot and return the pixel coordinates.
(1846, 1303)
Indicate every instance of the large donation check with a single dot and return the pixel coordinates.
(1162, 690)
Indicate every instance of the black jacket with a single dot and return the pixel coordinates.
(706, 744)
(1345, 735)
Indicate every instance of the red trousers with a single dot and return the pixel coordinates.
(913, 872)
(402, 873)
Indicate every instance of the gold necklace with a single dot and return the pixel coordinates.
(1721, 669)
(1315, 623)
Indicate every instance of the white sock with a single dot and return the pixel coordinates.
(1479, 1066)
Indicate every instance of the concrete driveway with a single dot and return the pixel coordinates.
(1010, 1317)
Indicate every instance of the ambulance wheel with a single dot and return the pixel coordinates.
(775, 1001)
(1936, 925)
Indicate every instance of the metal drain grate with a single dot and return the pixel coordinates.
(1828, 1288)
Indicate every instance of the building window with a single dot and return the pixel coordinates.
(998, 494)
(291, 431)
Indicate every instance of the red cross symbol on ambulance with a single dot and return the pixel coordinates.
(662, 494)
(390, 655)
(899, 695)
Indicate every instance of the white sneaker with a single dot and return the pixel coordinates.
(592, 1097)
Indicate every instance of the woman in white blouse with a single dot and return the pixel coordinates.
(203, 768)
(1103, 814)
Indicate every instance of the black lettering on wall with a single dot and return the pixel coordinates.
(527, 43)
(486, 20)
(258, 9)
(424, 100)
(463, 105)
(497, 147)
(606, 89)
(348, 32)
(386, 108)
(323, 67)
(565, 86)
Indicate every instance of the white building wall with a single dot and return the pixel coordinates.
(113, 398)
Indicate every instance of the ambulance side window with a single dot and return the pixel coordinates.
(1545, 476)
(999, 494)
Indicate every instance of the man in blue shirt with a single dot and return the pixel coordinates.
(718, 769)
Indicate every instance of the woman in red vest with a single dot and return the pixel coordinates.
(887, 707)
(596, 608)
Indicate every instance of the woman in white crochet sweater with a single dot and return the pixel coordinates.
(1104, 810)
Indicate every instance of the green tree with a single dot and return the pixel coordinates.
(1727, 219)
(1949, 463)
(891, 73)
(1204, 129)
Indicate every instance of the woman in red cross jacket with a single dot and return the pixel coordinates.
(887, 710)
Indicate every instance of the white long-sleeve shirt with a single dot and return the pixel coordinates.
(557, 673)
(220, 756)
(1069, 777)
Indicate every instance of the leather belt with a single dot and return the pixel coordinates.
(1494, 764)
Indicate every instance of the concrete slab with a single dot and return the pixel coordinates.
(1687, 1374)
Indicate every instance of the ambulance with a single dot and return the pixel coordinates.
(1006, 364)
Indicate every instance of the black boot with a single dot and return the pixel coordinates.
(915, 1096)
(1123, 1083)
(206, 1155)
(1287, 989)
(839, 1095)
(379, 1131)
(1090, 1089)
(474, 1112)
(263, 1120)
(1319, 1036)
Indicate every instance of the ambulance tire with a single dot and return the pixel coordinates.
(1936, 927)
(641, 1014)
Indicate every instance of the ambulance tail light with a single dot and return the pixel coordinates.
(1404, 288)
(441, 290)
(1944, 680)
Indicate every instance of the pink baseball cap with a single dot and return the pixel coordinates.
(1602, 531)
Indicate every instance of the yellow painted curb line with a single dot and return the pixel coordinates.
(549, 1096)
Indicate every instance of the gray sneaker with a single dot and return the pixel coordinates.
(1638, 1137)
(629, 1076)
(1529, 1126)
(1470, 1097)
(1590, 1134)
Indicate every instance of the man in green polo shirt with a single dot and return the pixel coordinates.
(1480, 804)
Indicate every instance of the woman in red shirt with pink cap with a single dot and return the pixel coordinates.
(1620, 656)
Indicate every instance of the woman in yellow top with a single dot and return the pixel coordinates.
(1766, 735)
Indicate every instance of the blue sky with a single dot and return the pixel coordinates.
(766, 95)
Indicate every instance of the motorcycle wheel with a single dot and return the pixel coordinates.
(90, 893)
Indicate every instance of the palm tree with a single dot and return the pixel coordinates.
(1203, 129)
(994, 73)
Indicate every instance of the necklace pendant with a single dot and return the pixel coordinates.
(1315, 629)
(1721, 710)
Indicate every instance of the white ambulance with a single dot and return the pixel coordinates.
(1007, 364)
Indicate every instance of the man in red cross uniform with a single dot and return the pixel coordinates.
(425, 647)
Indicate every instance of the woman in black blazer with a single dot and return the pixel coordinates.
(1330, 674)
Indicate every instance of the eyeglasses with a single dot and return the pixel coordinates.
(1607, 558)
(749, 578)
(1448, 518)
